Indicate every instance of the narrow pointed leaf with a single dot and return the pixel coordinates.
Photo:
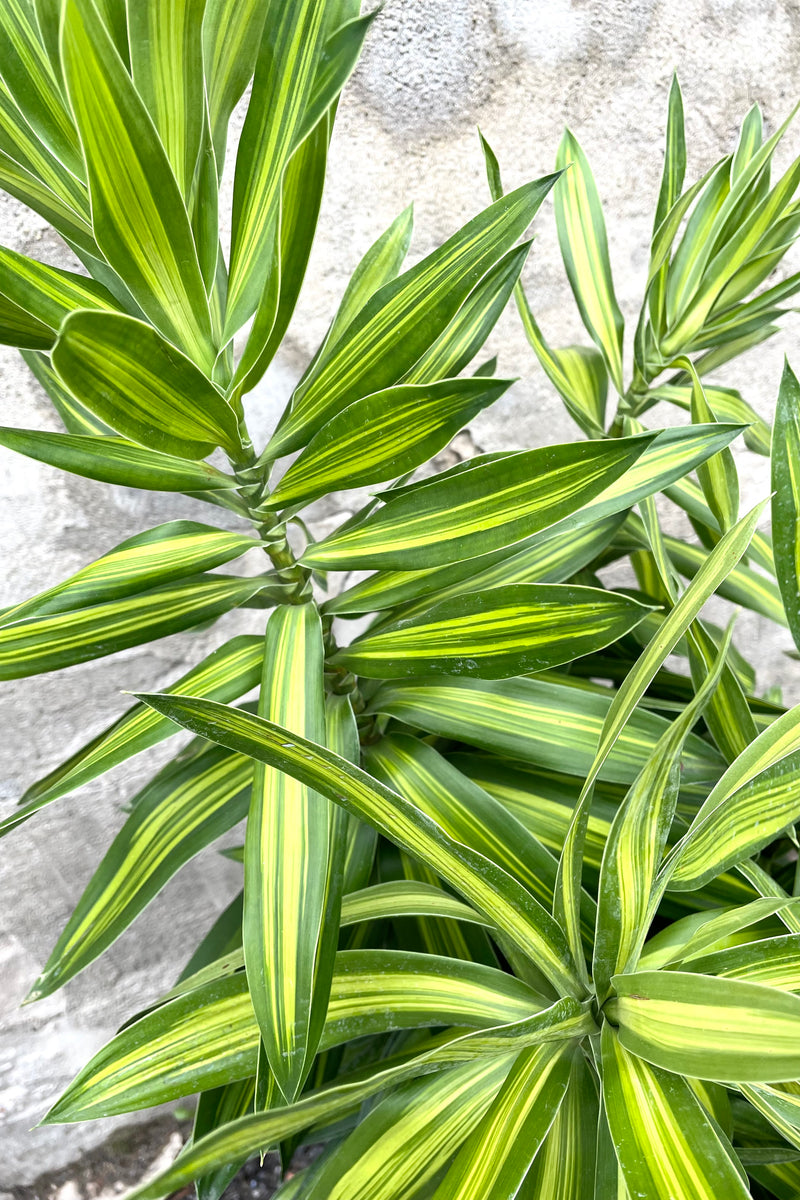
(48, 292)
(564, 1166)
(384, 436)
(771, 961)
(231, 37)
(182, 810)
(50, 643)
(286, 852)
(666, 1144)
(284, 76)
(786, 497)
(24, 185)
(231, 671)
(723, 1029)
(495, 633)
(489, 889)
(148, 560)
(405, 897)
(494, 1160)
(142, 228)
(493, 505)
(584, 248)
(127, 374)
(402, 320)
(113, 460)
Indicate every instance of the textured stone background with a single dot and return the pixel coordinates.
(406, 131)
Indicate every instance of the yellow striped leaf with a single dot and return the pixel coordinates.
(126, 373)
(405, 316)
(564, 1167)
(232, 32)
(216, 1108)
(384, 436)
(48, 293)
(19, 328)
(231, 671)
(185, 808)
(436, 1115)
(286, 856)
(494, 1160)
(142, 227)
(786, 497)
(29, 75)
(754, 800)
(488, 888)
(113, 460)
(771, 961)
(20, 142)
(167, 67)
(692, 937)
(672, 178)
(148, 560)
(405, 897)
(24, 185)
(666, 1145)
(780, 1105)
(284, 76)
(584, 248)
(549, 558)
(708, 1027)
(341, 736)
(249, 1134)
(495, 633)
(636, 842)
(495, 504)
(537, 721)
(373, 991)
(50, 643)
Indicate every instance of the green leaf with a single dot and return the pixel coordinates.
(755, 799)
(537, 721)
(383, 436)
(564, 1166)
(24, 185)
(167, 67)
(19, 328)
(495, 633)
(436, 1115)
(231, 671)
(284, 76)
(249, 1134)
(711, 1028)
(182, 810)
(158, 556)
(717, 475)
(488, 888)
(405, 316)
(693, 936)
(21, 144)
(372, 991)
(779, 1104)
(771, 961)
(342, 736)
(113, 460)
(547, 559)
(216, 1108)
(286, 852)
(786, 497)
(139, 217)
(584, 248)
(127, 374)
(467, 813)
(725, 555)
(48, 293)
(636, 842)
(672, 178)
(462, 339)
(29, 75)
(495, 1158)
(495, 504)
(666, 1144)
(50, 643)
(232, 32)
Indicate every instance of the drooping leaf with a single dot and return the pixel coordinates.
(48, 293)
(113, 460)
(786, 497)
(488, 888)
(124, 371)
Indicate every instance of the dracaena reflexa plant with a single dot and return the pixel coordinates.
(513, 890)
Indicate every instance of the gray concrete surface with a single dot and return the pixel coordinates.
(432, 71)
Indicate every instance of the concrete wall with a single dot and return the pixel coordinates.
(406, 131)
